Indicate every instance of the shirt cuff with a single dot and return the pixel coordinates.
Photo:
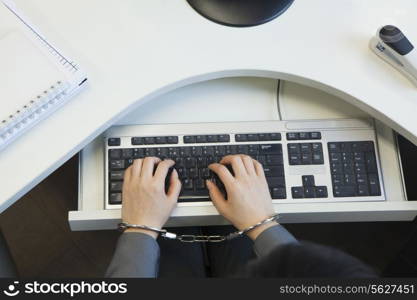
(271, 238)
(136, 255)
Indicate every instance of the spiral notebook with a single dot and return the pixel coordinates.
(35, 78)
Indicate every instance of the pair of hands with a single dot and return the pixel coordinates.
(248, 202)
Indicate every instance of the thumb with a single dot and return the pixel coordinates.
(174, 185)
(216, 196)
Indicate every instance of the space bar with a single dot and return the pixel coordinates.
(201, 195)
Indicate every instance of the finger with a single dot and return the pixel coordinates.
(148, 167)
(216, 196)
(128, 174)
(248, 163)
(259, 169)
(237, 164)
(162, 169)
(174, 186)
(224, 174)
(136, 168)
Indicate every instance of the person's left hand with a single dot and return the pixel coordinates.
(144, 201)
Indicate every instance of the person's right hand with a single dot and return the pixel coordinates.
(248, 199)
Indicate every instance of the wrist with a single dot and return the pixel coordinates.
(153, 234)
(254, 233)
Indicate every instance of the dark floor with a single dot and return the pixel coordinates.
(37, 231)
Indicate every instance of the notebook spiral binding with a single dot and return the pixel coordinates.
(32, 110)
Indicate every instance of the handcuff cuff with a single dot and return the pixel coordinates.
(189, 238)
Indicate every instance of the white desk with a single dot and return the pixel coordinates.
(136, 50)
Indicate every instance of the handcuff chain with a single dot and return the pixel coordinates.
(189, 238)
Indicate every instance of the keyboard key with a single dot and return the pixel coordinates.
(273, 160)
(359, 157)
(241, 138)
(187, 184)
(200, 184)
(309, 192)
(172, 140)
(317, 147)
(230, 149)
(304, 135)
(270, 149)
(362, 179)
(193, 173)
(344, 191)
(274, 137)
(179, 162)
(276, 182)
(363, 190)
(334, 147)
(276, 171)
(113, 142)
(297, 192)
(370, 162)
(208, 151)
(152, 152)
(173, 152)
(278, 193)
(185, 151)
(292, 136)
(308, 180)
(336, 169)
(360, 168)
(212, 138)
(224, 138)
(160, 140)
(318, 159)
(346, 147)
(335, 157)
(253, 150)
(116, 164)
(321, 192)
(127, 153)
(138, 153)
(293, 148)
(205, 173)
(149, 140)
(306, 159)
(315, 135)
(115, 198)
(252, 137)
(242, 149)
(190, 162)
(305, 148)
(116, 186)
(374, 189)
(188, 139)
(349, 179)
(129, 162)
(201, 139)
(137, 141)
(115, 153)
(348, 168)
(182, 172)
(116, 175)
(295, 159)
(338, 179)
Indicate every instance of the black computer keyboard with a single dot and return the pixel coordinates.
(316, 166)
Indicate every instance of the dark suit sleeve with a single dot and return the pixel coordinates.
(136, 255)
(271, 238)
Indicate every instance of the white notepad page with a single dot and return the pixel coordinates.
(35, 78)
(25, 74)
